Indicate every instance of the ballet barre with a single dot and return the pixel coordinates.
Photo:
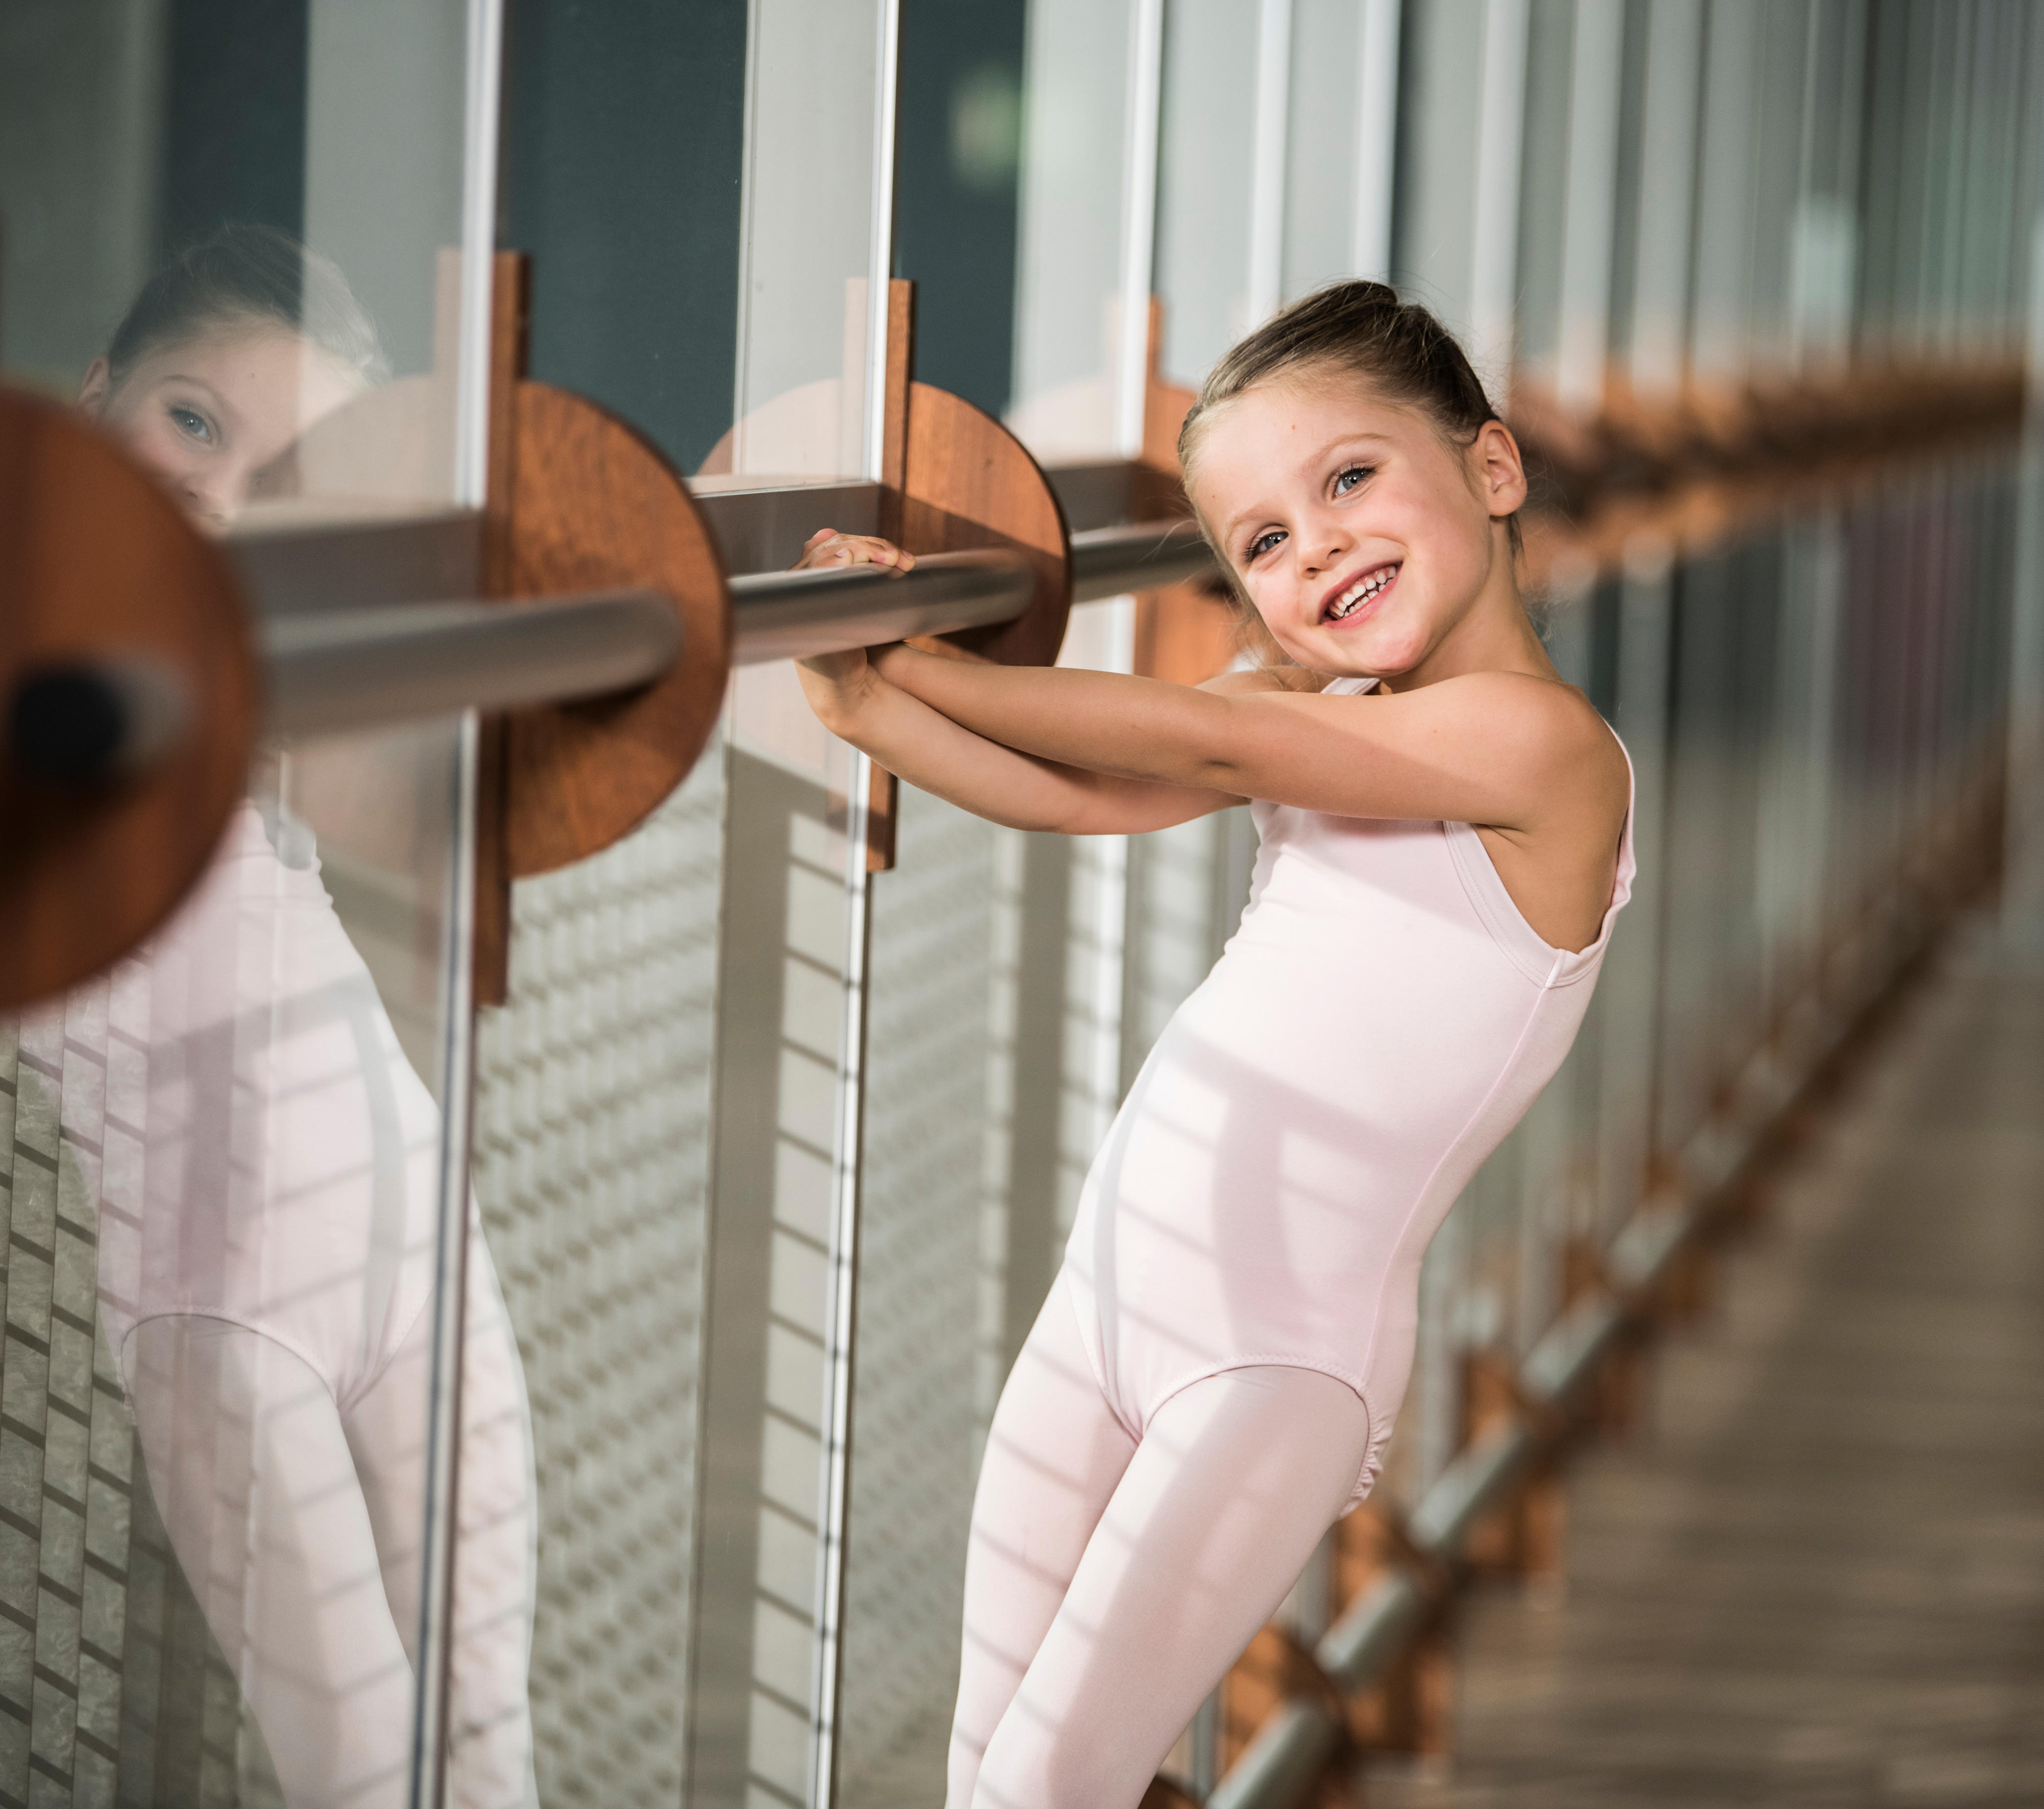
(796, 615)
(358, 668)
(355, 668)
(89, 721)
(1140, 556)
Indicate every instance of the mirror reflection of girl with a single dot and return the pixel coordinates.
(229, 354)
(1445, 844)
(269, 1207)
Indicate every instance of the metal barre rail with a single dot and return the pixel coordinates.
(792, 615)
(328, 670)
(352, 668)
(349, 669)
(1142, 555)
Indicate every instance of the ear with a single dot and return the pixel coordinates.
(1499, 470)
(98, 384)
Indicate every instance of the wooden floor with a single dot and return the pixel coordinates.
(1817, 1577)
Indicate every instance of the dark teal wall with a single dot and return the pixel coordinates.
(624, 132)
(234, 117)
(956, 158)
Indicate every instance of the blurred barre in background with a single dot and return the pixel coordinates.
(530, 1162)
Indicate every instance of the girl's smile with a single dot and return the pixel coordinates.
(1356, 601)
(1366, 539)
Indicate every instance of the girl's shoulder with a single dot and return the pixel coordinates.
(1541, 710)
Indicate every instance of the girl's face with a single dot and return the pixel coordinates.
(207, 413)
(1361, 535)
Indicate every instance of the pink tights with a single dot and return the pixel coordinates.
(1110, 1583)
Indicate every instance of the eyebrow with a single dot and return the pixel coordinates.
(1313, 458)
(219, 400)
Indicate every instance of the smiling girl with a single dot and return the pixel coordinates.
(1445, 844)
(231, 350)
(269, 1226)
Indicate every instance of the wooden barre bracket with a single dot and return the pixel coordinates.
(103, 565)
(581, 500)
(956, 480)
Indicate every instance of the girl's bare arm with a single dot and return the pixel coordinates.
(1491, 749)
(1022, 791)
(914, 742)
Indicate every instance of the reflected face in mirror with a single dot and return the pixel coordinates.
(207, 413)
(1364, 536)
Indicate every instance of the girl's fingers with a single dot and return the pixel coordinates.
(827, 547)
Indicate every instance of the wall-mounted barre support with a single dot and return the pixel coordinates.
(129, 689)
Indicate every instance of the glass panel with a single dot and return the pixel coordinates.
(935, 1215)
(1024, 213)
(595, 1109)
(1206, 169)
(792, 980)
(957, 195)
(1083, 255)
(705, 271)
(233, 234)
(229, 1210)
(592, 1107)
(235, 238)
(812, 242)
(1342, 134)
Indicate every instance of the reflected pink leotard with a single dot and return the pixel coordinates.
(1381, 1019)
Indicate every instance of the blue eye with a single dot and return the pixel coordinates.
(1345, 481)
(191, 423)
(1262, 544)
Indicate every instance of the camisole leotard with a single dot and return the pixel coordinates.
(1380, 1021)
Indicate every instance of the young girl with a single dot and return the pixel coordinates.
(230, 352)
(1215, 1374)
(266, 1198)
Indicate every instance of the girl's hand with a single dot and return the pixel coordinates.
(827, 547)
(844, 672)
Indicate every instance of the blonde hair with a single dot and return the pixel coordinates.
(1360, 329)
(246, 275)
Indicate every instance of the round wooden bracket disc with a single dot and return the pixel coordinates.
(595, 507)
(968, 482)
(100, 565)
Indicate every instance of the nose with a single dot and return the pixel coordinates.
(211, 502)
(1323, 550)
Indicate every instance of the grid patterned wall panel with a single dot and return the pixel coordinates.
(917, 1402)
(112, 1689)
(592, 1118)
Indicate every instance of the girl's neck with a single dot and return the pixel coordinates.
(1493, 635)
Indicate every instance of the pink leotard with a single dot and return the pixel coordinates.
(1381, 1019)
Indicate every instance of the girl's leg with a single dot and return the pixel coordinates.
(1234, 1483)
(490, 1734)
(1053, 1455)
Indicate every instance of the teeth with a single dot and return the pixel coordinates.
(1360, 592)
